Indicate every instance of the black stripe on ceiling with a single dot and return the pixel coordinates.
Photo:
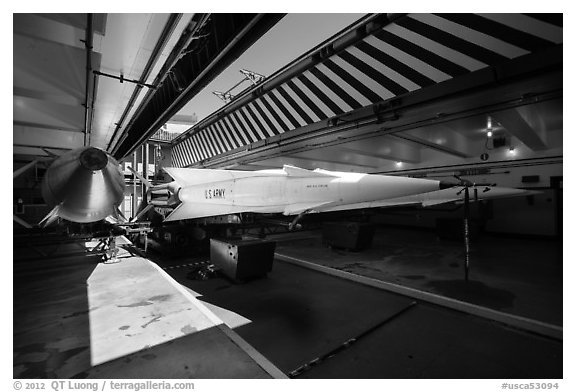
(392, 63)
(202, 146)
(242, 132)
(266, 119)
(425, 55)
(252, 136)
(286, 112)
(294, 105)
(219, 145)
(383, 80)
(248, 119)
(274, 114)
(184, 153)
(555, 19)
(211, 147)
(175, 154)
(451, 41)
(498, 30)
(320, 94)
(306, 99)
(202, 150)
(223, 132)
(230, 125)
(193, 151)
(256, 120)
(197, 148)
(336, 89)
(355, 83)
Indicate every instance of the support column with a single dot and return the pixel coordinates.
(134, 195)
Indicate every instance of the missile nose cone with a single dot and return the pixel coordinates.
(446, 185)
(93, 159)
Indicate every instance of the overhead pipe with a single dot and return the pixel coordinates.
(174, 57)
(171, 24)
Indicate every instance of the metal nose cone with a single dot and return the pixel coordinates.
(93, 159)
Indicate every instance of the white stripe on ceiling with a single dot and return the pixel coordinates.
(476, 37)
(437, 48)
(329, 93)
(344, 84)
(182, 154)
(175, 152)
(232, 141)
(366, 80)
(196, 147)
(192, 150)
(209, 142)
(528, 25)
(260, 132)
(411, 61)
(245, 125)
(289, 107)
(234, 129)
(264, 123)
(221, 136)
(199, 149)
(237, 127)
(280, 113)
(217, 138)
(321, 105)
(270, 116)
(230, 132)
(301, 103)
(222, 131)
(384, 70)
(205, 144)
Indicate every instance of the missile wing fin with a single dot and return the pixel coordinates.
(294, 171)
(193, 211)
(298, 208)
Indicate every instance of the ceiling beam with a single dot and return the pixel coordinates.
(209, 45)
(426, 143)
(517, 126)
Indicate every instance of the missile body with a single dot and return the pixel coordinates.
(290, 191)
(83, 185)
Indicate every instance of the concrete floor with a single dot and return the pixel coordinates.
(518, 276)
(298, 315)
(77, 318)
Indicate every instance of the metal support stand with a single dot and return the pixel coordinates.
(466, 233)
(294, 223)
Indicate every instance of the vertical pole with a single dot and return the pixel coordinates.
(134, 196)
(466, 233)
(144, 168)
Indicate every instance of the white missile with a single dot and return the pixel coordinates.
(290, 191)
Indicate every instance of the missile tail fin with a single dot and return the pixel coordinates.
(51, 217)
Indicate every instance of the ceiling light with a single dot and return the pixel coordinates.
(512, 151)
(489, 134)
(398, 164)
